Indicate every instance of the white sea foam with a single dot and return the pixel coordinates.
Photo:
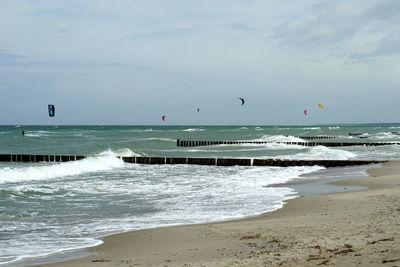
(126, 152)
(262, 176)
(280, 146)
(37, 133)
(105, 161)
(312, 128)
(45, 249)
(279, 138)
(262, 146)
(140, 130)
(385, 136)
(193, 130)
(235, 148)
(158, 139)
(323, 153)
(389, 152)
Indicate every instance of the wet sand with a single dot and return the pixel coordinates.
(358, 228)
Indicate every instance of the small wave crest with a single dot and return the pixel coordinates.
(312, 128)
(193, 130)
(386, 135)
(106, 160)
(37, 133)
(159, 139)
(279, 138)
(126, 152)
(323, 153)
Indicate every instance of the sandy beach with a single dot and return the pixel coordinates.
(359, 228)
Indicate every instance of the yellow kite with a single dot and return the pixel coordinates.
(320, 105)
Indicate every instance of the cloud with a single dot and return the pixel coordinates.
(165, 33)
(384, 10)
(97, 51)
(341, 28)
(241, 27)
(387, 47)
(8, 58)
(382, 18)
(62, 30)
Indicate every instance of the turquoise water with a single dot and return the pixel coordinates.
(51, 207)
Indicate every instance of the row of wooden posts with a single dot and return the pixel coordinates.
(190, 143)
(327, 137)
(315, 137)
(196, 161)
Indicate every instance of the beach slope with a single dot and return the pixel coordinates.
(358, 228)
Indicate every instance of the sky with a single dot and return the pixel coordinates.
(129, 62)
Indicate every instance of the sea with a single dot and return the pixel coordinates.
(49, 209)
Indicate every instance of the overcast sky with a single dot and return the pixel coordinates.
(132, 61)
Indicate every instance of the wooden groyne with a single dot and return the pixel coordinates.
(195, 161)
(188, 143)
(38, 158)
(315, 137)
(360, 136)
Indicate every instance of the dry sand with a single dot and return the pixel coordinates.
(347, 229)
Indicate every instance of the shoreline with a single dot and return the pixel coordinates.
(342, 229)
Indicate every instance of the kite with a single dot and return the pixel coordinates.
(52, 111)
(320, 105)
(305, 112)
(198, 110)
(241, 100)
(163, 117)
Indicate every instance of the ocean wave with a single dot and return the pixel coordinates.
(282, 175)
(156, 139)
(263, 146)
(126, 152)
(37, 133)
(104, 161)
(322, 153)
(386, 136)
(280, 138)
(193, 130)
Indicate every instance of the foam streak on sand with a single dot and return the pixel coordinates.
(347, 229)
